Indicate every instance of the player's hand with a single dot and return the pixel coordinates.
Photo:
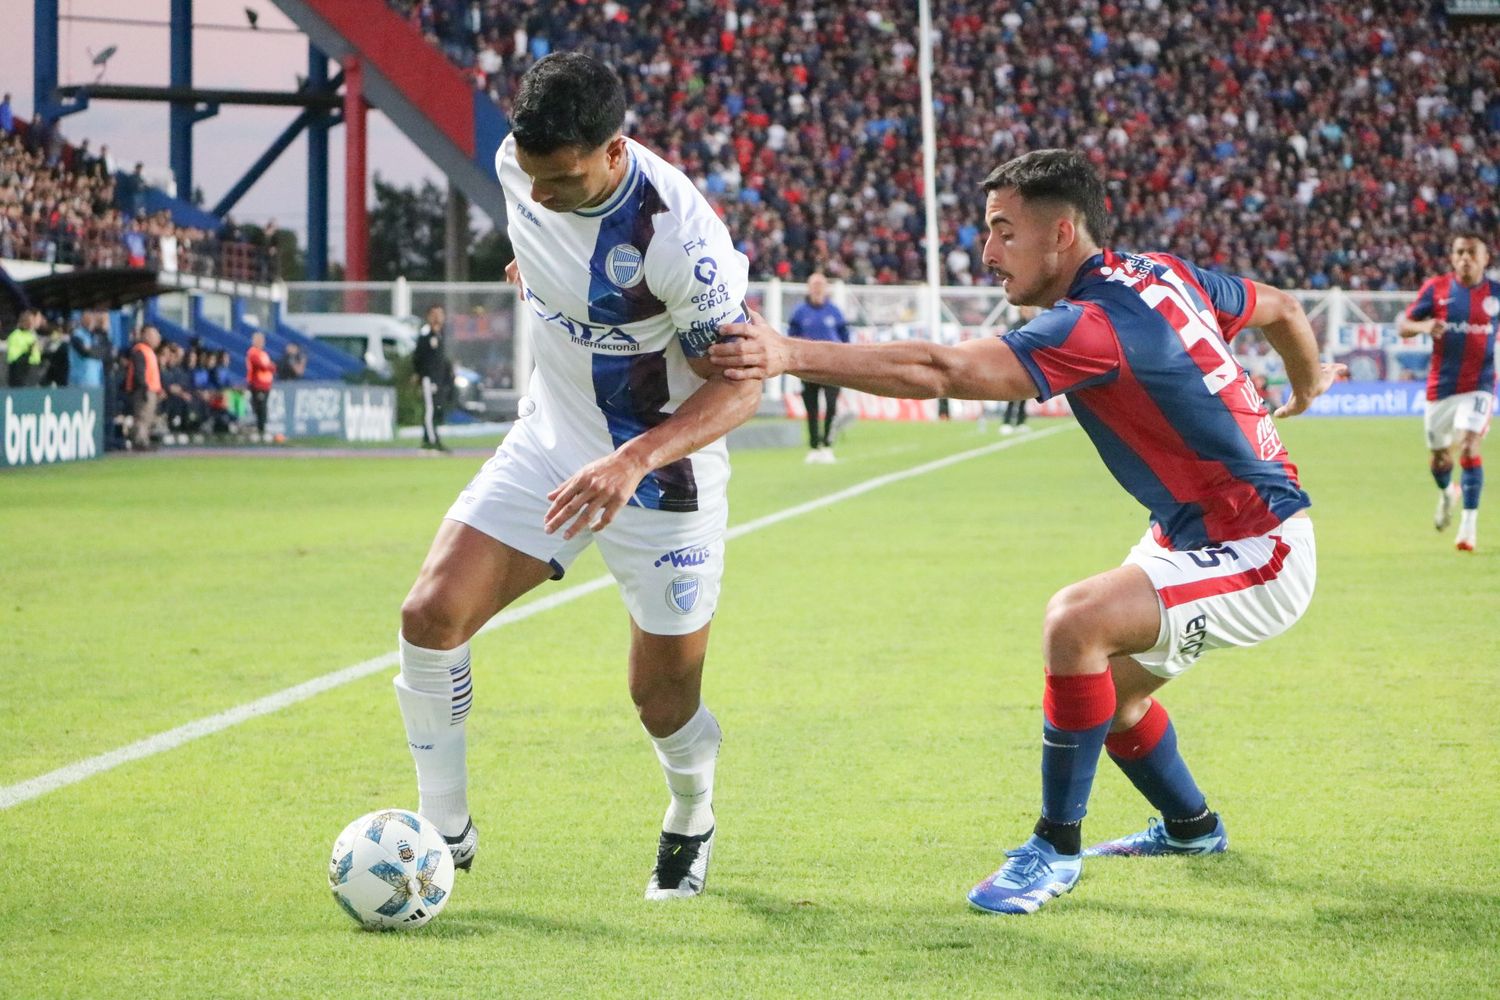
(593, 495)
(751, 350)
(513, 273)
(1299, 401)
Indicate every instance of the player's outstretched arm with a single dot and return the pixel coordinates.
(908, 369)
(595, 494)
(1285, 325)
(1408, 327)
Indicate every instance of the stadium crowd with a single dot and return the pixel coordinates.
(197, 391)
(64, 204)
(1304, 144)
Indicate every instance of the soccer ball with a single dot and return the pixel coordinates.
(391, 869)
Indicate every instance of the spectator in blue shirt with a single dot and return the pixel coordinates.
(7, 116)
(819, 319)
(88, 350)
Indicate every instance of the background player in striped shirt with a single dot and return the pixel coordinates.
(1138, 343)
(1461, 310)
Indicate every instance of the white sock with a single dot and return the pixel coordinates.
(435, 691)
(687, 759)
(1468, 521)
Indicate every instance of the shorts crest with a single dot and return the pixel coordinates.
(682, 594)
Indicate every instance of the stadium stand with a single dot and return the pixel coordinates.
(63, 205)
(1309, 145)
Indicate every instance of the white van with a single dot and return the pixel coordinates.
(378, 340)
(373, 338)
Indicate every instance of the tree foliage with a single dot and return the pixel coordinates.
(407, 227)
(406, 232)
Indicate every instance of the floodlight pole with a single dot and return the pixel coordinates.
(934, 310)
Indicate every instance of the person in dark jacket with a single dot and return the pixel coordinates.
(433, 372)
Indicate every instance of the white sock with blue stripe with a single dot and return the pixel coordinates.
(435, 690)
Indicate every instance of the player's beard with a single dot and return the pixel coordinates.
(1026, 295)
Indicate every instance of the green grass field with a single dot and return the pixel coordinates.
(875, 667)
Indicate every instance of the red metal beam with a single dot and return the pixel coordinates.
(356, 217)
(397, 50)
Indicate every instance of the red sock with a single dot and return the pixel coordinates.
(1079, 701)
(1141, 738)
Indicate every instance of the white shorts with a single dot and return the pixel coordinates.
(1233, 594)
(668, 565)
(1449, 418)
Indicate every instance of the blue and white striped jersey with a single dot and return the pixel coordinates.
(623, 294)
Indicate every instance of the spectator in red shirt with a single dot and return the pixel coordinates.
(260, 375)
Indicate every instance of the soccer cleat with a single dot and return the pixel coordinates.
(828, 458)
(814, 457)
(681, 865)
(464, 846)
(1154, 841)
(1447, 500)
(1033, 875)
(1466, 541)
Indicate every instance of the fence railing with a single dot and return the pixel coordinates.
(489, 326)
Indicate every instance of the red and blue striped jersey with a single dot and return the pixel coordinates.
(1139, 345)
(1463, 355)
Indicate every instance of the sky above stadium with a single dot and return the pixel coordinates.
(224, 145)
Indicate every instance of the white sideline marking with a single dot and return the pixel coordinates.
(70, 774)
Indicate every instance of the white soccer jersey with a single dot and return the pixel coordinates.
(623, 293)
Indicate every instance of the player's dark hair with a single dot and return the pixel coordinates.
(1468, 234)
(567, 99)
(1056, 175)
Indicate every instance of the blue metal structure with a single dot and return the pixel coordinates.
(180, 128)
(186, 112)
(431, 100)
(278, 146)
(317, 169)
(45, 104)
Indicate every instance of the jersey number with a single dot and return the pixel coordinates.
(1209, 558)
(1195, 328)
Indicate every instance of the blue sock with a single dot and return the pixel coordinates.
(1069, 759)
(1442, 477)
(1471, 481)
(1076, 711)
(1147, 753)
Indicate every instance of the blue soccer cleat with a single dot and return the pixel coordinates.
(1033, 875)
(1154, 841)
